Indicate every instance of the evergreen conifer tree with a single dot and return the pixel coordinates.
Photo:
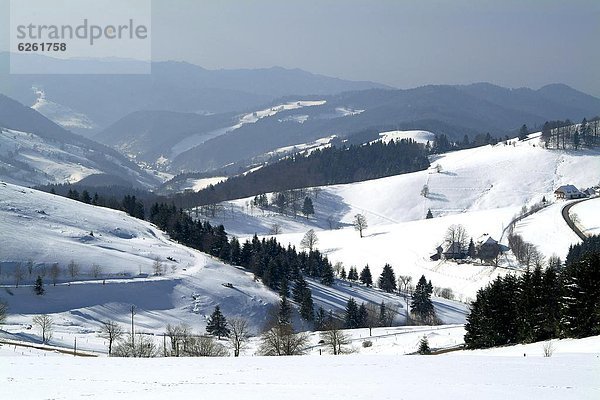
(387, 279)
(327, 276)
(284, 316)
(383, 314)
(523, 132)
(217, 324)
(39, 286)
(365, 276)
(351, 314)
(343, 273)
(429, 214)
(421, 305)
(424, 346)
(471, 252)
(307, 207)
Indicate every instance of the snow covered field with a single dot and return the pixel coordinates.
(587, 216)
(451, 376)
(548, 231)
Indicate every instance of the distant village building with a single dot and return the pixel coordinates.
(454, 251)
(568, 192)
(590, 192)
(488, 248)
(438, 253)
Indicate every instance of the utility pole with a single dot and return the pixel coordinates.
(132, 332)
(75, 347)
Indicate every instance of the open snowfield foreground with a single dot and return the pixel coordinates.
(563, 376)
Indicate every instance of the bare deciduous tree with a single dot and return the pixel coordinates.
(457, 234)
(112, 332)
(360, 223)
(45, 324)
(238, 335)
(281, 340)
(275, 229)
(157, 267)
(54, 273)
(179, 336)
(96, 270)
(403, 282)
(548, 349)
(19, 274)
(30, 267)
(335, 339)
(206, 346)
(73, 269)
(142, 346)
(310, 240)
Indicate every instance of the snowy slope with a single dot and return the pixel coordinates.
(451, 376)
(249, 118)
(28, 159)
(62, 115)
(417, 136)
(548, 231)
(478, 179)
(46, 229)
(482, 188)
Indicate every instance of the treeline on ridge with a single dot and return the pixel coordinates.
(333, 165)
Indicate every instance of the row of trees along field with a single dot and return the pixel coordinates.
(540, 304)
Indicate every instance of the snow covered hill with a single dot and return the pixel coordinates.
(62, 115)
(29, 159)
(34, 150)
(482, 188)
(107, 262)
(115, 255)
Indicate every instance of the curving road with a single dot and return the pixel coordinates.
(569, 221)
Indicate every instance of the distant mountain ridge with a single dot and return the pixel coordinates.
(455, 110)
(172, 86)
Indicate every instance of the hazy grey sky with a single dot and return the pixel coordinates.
(400, 43)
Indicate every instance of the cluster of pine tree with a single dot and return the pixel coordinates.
(278, 266)
(132, 201)
(566, 134)
(328, 166)
(442, 144)
(291, 202)
(355, 316)
(195, 234)
(540, 304)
